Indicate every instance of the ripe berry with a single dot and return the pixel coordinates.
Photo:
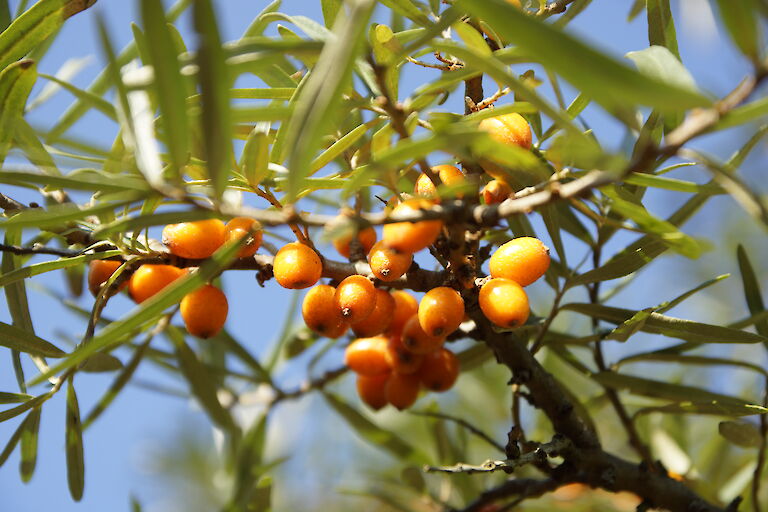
(448, 174)
(367, 356)
(441, 311)
(99, 271)
(379, 319)
(388, 264)
(400, 359)
(439, 370)
(150, 279)
(194, 240)
(511, 129)
(522, 260)
(297, 266)
(496, 191)
(418, 341)
(242, 227)
(355, 297)
(371, 389)
(366, 237)
(504, 302)
(402, 390)
(406, 306)
(321, 314)
(204, 311)
(411, 236)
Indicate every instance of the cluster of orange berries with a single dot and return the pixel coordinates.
(204, 310)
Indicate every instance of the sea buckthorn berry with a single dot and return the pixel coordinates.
(511, 129)
(242, 227)
(355, 297)
(379, 319)
(194, 240)
(150, 279)
(297, 266)
(496, 191)
(411, 236)
(448, 175)
(366, 237)
(441, 311)
(204, 311)
(406, 306)
(418, 341)
(388, 264)
(99, 271)
(402, 390)
(371, 389)
(321, 314)
(439, 370)
(522, 260)
(400, 359)
(504, 302)
(367, 356)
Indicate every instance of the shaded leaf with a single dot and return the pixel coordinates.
(15, 411)
(7, 278)
(661, 25)
(29, 437)
(88, 98)
(74, 444)
(751, 289)
(101, 362)
(13, 398)
(254, 161)
(659, 62)
(741, 20)
(16, 83)
(740, 433)
(663, 357)
(11, 444)
(24, 341)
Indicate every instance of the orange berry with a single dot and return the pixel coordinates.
(366, 237)
(441, 311)
(439, 370)
(400, 359)
(355, 297)
(379, 319)
(388, 264)
(522, 260)
(418, 341)
(150, 279)
(194, 240)
(204, 311)
(496, 191)
(99, 271)
(297, 266)
(321, 314)
(504, 302)
(371, 389)
(411, 236)
(402, 390)
(406, 306)
(367, 356)
(511, 129)
(242, 227)
(448, 175)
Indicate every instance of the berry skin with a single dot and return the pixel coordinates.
(510, 129)
(441, 311)
(400, 359)
(448, 174)
(297, 266)
(388, 264)
(406, 306)
(99, 271)
(496, 191)
(321, 314)
(379, 319)
(522, 260)
(418, 341)
(150, 279)
(204, 311)
(367, 356)
(439, 370)
(411, 236)
(355, 298)
(241, 227)
(371, 389)
(402, 390)
(194, 240)
(504, 302)
(367, 238)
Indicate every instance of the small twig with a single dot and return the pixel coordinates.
(9, 204)
(270, 197)
(487, 102)
(761, 455)
(464, 423)
(423, 64)
(556, 7)
(310, 385)
(38, 249)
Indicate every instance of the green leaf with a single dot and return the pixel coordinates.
(13, 398)
(254, 160)
(670, 357)
(5, 15)
(741, 433)
(88, 98)
(341, 145)
(472, 38)
(579, 63)
(74, 442)
(80, 179)
(741, 20)
(29, 437)
(259, 24)
(11, 444)
(757, 109)
(29, 404)
(330, 10)
(408, 9)
(59, 214)
(16, 83)
(24, 341)
(369, 431)
(660, 63)
(661, 26)
(650, 180)
(7, 278)
(100, 363)
(751, 289)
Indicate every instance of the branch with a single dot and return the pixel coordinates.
(9, 204)
(556, 7)
(310, 385)
(522, 487)
(38, 249)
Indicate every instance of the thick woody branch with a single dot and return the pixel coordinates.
(520, 487)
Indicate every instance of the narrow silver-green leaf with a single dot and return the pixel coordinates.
(330, 10)
(752, 290)
(74, 445)
(19, 409)
(24, 341)
(59, 214)
(88, 98)
(29, 437)
(752, 111)
(254, 161)
(408, 9)
(16, 83)
(660, 63)
(740, 433)
(661, 26)
(13, 398)
(741, 20)
(670, 357)
(650, 180)
(713, 408)
(7, 278)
